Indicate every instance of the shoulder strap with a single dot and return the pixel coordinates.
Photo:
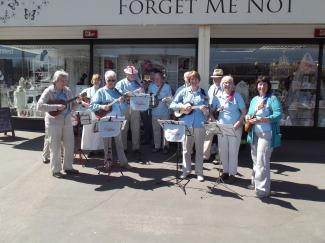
(117, 91)
(203, 92)
(160, 88)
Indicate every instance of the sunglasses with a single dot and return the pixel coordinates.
(111, 80)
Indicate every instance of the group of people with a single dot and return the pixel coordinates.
(221, 103)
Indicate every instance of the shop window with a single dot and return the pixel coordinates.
(292, 69)
(321, 114)
(25, 71)
(172, 60)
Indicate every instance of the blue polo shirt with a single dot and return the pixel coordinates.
(166, 91)
(196, 118)
(231, 109)
(105, 96)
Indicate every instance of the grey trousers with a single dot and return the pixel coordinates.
(132, 117)
(197, 137)
(158, 134)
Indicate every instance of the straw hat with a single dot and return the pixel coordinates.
(217, 73)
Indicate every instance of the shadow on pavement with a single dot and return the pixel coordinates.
(35, 144)
(294, 190)
(7, 140)
(118, 181)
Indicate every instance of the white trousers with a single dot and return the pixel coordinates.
(132, 117)
(61, 135)
(119, 150)
(261, 152)
(228, 151)
(158, 134)
(46, 147)
(197, 137)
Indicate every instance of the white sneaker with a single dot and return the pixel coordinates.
(184, 175)
(200, 178)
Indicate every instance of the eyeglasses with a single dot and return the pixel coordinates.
(110, 80)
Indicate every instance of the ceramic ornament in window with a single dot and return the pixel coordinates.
(307, 65)
(20, 97)
(2, 77)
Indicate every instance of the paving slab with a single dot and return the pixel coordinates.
(145, 205)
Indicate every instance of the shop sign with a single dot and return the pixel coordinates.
(144, 12)
(320, 33)
(90, 34)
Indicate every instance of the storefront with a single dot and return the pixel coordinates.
(245, 38)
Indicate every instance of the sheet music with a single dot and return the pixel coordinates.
(174, 131)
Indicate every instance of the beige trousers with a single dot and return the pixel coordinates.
(158, 134)
(132, 117)
(61, 135)
(197, 138)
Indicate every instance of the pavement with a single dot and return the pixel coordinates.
(145, 205)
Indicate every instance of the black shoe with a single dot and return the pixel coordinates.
(231, 179)
(58, 175)
(224, 176)
(72, 172)
(46, 161)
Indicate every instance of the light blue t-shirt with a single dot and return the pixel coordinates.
(231, 108)
(125, 85)
(166, 91)
(62, 96)
(196, 118)
(265, 112)
(105, 96)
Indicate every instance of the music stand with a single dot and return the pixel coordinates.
(175, 131)
(81, 118)
(109, 127)
(140, 102)
(222, 130)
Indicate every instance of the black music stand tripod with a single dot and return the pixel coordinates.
(222, 130)
(82, 155)
(109, 164)
(178, 181)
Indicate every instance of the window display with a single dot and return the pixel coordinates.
(321, 113)
(172, 60)
(25, 71)
(292, 69)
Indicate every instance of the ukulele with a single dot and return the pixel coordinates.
(63, 102)
(249, 122)
(182, 111)
(101, 112)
